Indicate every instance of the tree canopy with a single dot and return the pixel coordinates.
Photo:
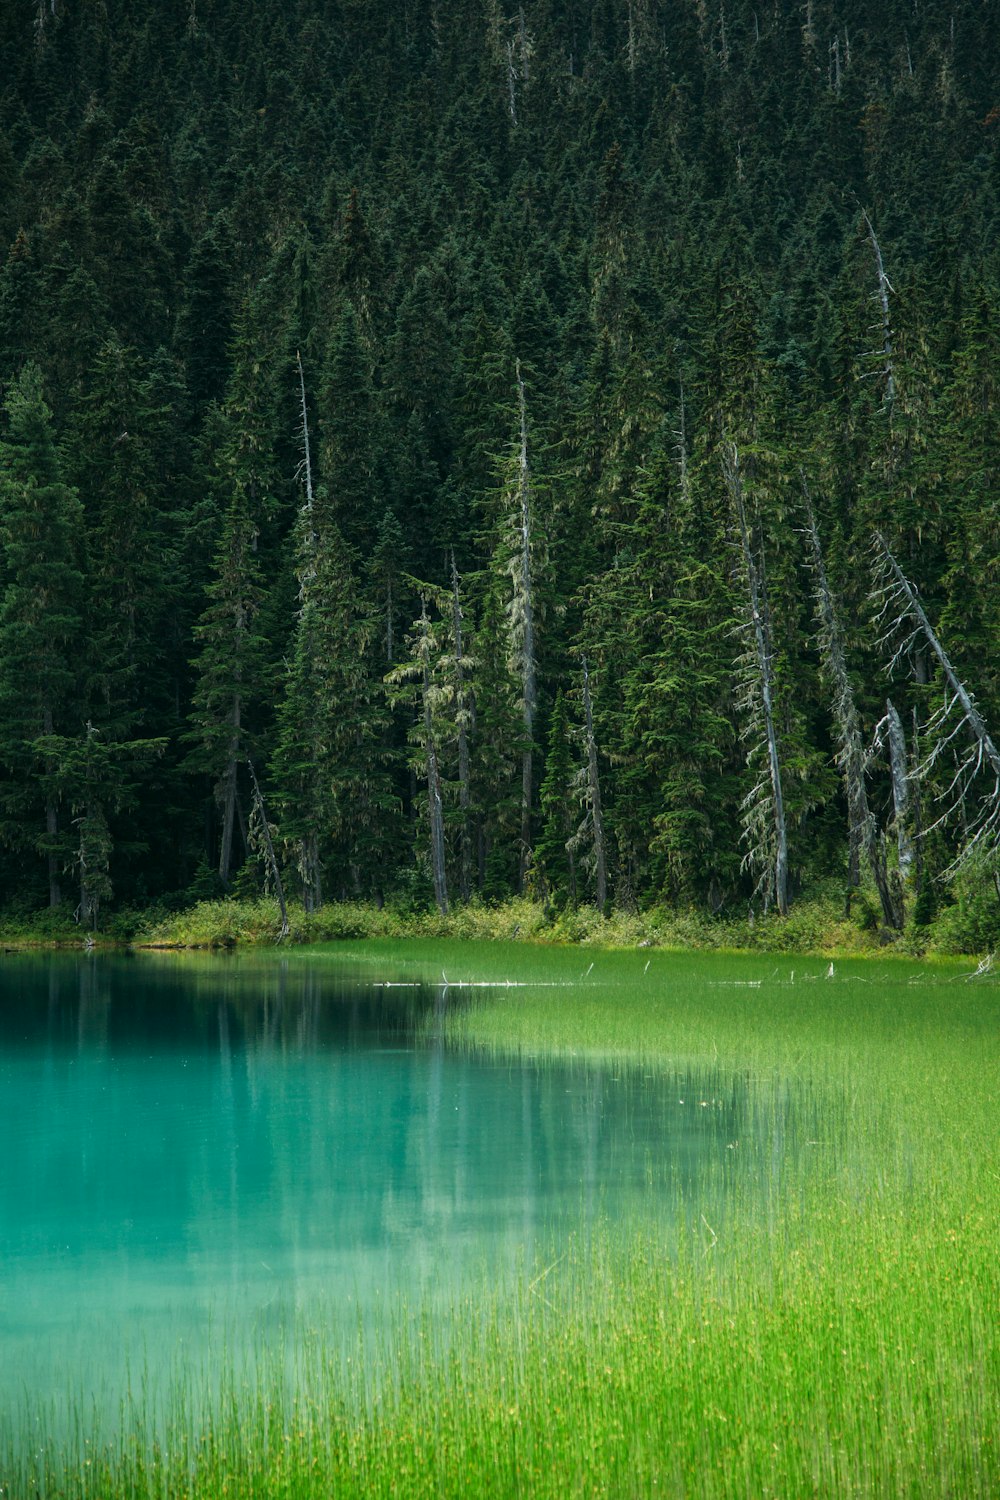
(545, 273)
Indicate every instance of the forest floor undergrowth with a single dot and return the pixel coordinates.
(816, 924)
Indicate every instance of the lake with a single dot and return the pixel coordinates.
(201, 1155)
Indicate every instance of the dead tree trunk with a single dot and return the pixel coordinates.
(263, 831)
(463, 714)
(982, 754)
(525, 605)
(863, 835)
(435, 805)
(594, 796)
(882, 297)
(310, 866)
(52, 832)
(229, 798)
(764, 806)
(306, 466)
(900, 790)
(51, 823)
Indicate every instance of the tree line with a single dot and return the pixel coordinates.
(449, 451)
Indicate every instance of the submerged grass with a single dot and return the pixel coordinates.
(831, 1333)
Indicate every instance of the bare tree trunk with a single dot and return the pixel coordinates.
(265, 834)
(900, 790)
(594, 789)
(241, 823)
(229, 799)
(528, 685)
(228, 819)
(462, 714)
(981, 754)
(863, 833)
(52, 823)
(681, 450)
(882, 296)
(970, 712)
(511, 82)
(918, 814)
(52, 830)
(312, 873)
(435, 806)
(764, 679)
(306, 468)
(309, 860)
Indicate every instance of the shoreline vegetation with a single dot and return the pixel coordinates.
(830, 1332)
(968, 926)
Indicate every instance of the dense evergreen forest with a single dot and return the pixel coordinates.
(488, 449)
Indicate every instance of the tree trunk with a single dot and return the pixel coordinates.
(269, 851)
(52, 824)
(863, 834)
(435, 806)
(765, 680)
(973, 718)
(229, 800)
(461, 714)
(594, 789)
(52, 830)
(884, 288)
(528, 685)
(900, 791)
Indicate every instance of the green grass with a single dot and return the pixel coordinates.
(813, 926)
(833, 1333)
(968, 922)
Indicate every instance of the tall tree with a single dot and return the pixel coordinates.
(41, 529)
(229, 667)
(764, 821)
(333, 795)
(518, 556)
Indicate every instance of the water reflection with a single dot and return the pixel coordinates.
(198, 1151)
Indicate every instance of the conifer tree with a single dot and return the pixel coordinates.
(229, 666)
(555, 856)
(41, 529)
(131, 559)
(518, 556)
(333, 794)
(416, 680)
(764, 822)
(96, 778)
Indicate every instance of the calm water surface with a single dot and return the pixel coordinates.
(198, 1154)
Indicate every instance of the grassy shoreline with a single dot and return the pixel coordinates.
(841, 1343)
(815, 925)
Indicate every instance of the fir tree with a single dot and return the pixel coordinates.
(555, 858)
(41, 529)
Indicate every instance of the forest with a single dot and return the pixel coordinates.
(452, 450)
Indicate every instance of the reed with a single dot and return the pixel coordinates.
(830, 1332)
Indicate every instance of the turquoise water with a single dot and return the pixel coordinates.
(197, 1155)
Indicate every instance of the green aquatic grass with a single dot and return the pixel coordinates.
(833, 1335)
